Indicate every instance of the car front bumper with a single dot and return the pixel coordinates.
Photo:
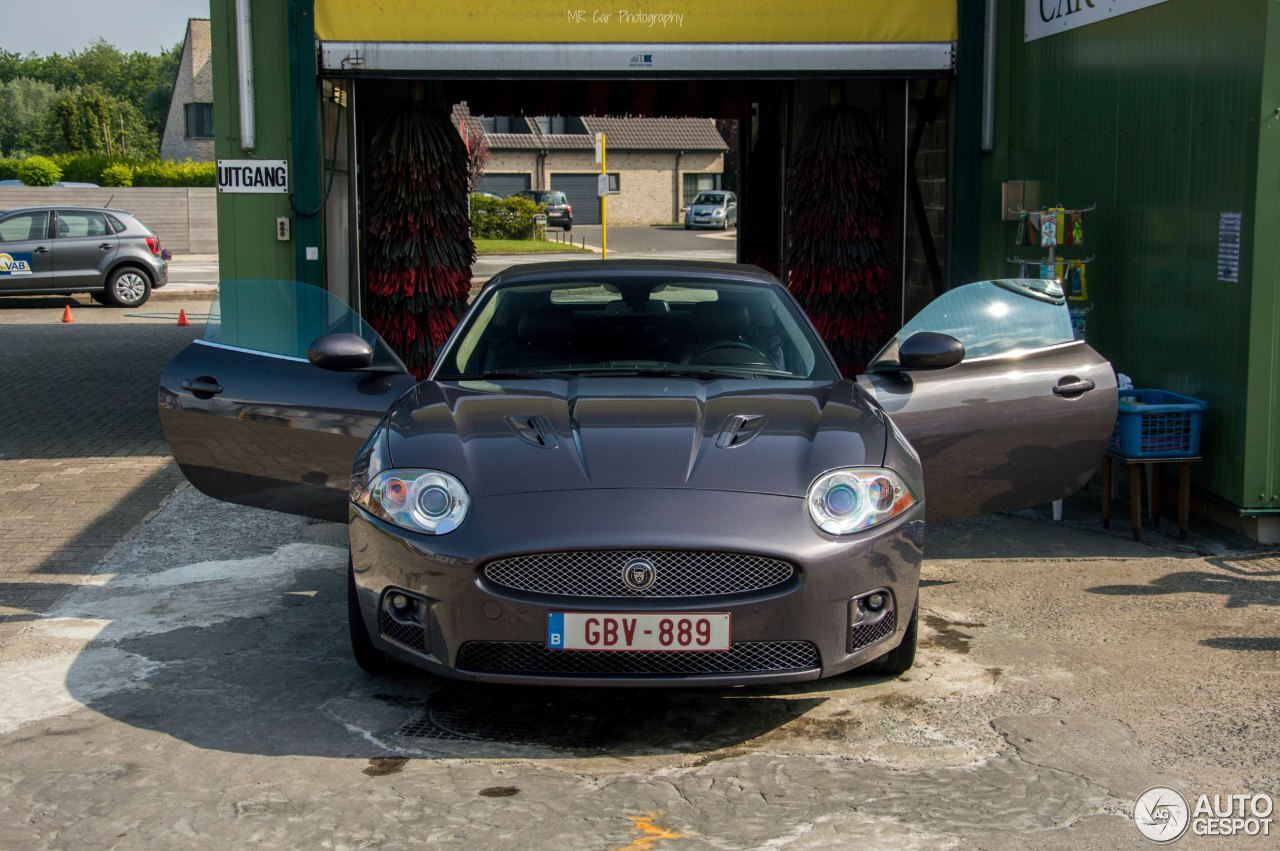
(474, 629)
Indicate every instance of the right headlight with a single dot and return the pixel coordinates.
(420, 500)
(853, 499)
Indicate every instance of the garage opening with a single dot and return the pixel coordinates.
(768, 93)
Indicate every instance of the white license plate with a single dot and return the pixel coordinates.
(625, 631)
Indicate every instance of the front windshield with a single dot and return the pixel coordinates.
(714, 198)
(704, 329)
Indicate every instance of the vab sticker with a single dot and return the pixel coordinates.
(11, 264)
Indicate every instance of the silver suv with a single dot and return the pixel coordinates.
(108, 254)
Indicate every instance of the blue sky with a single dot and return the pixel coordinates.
(60, 26)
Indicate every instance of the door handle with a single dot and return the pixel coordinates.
(202, 385)
(42, 250)
(1071, 387)
(106, 246)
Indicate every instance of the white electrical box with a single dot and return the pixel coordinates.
(282, 228)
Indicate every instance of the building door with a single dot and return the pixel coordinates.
(581, 192)
(503, 185)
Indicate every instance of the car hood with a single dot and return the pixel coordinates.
(579, 433)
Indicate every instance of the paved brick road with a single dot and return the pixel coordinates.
(82, 459)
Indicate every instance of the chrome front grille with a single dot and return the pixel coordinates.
(676, 573)
(411, 635)
(867, 634)
(531, 657)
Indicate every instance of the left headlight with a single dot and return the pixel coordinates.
(852, 499)
(421, 500)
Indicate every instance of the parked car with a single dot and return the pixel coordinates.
(108, 254)
(717, 210)
(638, 473)
(554, 203)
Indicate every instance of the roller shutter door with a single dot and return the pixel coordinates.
(503, 185)
(580, 189)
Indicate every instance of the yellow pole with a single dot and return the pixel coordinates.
(604, 208)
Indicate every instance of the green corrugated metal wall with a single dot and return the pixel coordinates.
(247, 247)
(1154, 116)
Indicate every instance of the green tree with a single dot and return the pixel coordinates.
(27, 119)
(92, 121)
(135, 90)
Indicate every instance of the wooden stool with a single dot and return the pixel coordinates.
(1138, 467)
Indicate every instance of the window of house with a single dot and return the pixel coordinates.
(695, 183)
(199, 120)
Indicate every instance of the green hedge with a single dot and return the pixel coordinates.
(506, 218)
(95, 168)
(39, 171)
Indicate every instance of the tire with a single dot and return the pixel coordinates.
(568, 227)
(368, 657)
(900, 659)
(128, 286)
(688, 227)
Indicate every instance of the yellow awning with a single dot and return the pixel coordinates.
(623, 22)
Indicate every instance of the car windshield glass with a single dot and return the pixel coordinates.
(651, 326)
(709, 198)
(284, 318)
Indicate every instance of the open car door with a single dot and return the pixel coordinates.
(1021, 416)
(250, 419)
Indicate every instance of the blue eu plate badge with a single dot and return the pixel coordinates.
(555, 630)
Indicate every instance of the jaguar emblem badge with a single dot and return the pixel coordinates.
(639, 575)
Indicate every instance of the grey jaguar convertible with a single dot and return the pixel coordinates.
(637, 473)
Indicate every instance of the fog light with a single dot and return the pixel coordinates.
(875, 602)
(399, 602)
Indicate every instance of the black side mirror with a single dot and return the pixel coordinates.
(341, 352)
(930, 350)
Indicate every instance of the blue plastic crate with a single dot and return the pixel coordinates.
(1157, 424)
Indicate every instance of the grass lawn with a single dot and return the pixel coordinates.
(524, 246)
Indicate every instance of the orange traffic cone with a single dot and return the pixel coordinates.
(182, 318)
(66, 314)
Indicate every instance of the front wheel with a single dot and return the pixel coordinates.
(128, 287)
(900, 659)
(367, 656)
(568, 227)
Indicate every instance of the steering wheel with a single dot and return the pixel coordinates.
(746, 355)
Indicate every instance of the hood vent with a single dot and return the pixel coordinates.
(534, 430)
(740, 429)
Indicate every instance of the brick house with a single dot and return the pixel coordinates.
(655, 164)
(188, 130)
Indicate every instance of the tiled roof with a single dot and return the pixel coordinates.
(658, 134)
(624, 134)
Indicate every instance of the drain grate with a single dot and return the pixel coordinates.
(1267, 564)
(465, 716)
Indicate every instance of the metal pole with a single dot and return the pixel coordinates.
(604, 206)
(244, 75)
